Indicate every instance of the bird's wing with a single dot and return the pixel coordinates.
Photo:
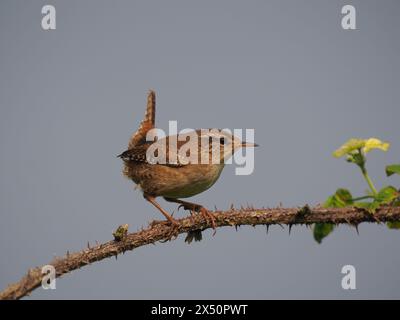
(139, 137)
(135, 154)
(159, 152)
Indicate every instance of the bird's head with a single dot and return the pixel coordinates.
(222, 143)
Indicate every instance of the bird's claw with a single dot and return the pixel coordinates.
(207, 215)
(173, 223)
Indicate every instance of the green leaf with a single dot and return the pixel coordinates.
(393, 225)
(369, 206)
(321, 230)
(330, 202)
(392, 169)
(340, 199)
(386, 195)
(344, 196)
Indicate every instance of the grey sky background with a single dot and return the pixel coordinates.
(70, 98)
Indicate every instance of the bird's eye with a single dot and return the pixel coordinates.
(222, 141)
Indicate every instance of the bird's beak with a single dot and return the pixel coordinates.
(249, 144)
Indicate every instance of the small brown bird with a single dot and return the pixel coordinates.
(177, 179)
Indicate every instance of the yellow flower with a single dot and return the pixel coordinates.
(349, 147)
(365, 145)
(374, 143)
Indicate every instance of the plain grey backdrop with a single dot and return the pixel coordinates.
(70, 98)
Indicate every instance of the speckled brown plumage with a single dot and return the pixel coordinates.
(174, 179)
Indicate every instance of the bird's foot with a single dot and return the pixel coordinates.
(207, 215)
(175, 223)
(152, 200)
(172, 222)
(174, 231)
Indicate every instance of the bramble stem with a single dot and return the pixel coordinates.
(163, 231)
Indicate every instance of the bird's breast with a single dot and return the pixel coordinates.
(193, 180)
(174, 182)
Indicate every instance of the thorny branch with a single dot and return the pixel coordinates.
(161, 231)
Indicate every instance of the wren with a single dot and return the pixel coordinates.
(177, 179)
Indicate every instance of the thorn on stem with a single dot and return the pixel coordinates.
(356, 226)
